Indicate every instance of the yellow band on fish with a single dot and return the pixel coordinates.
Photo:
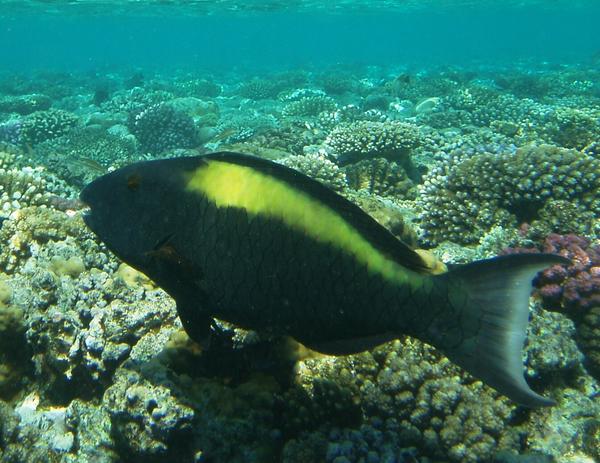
(233, 185)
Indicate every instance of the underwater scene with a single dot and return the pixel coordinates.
(300, 231)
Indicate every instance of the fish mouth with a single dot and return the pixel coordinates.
(86, 211)
(87, 217)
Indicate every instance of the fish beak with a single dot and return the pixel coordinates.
(84, 197)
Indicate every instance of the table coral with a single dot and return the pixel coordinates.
(365, 139)
(309, 106)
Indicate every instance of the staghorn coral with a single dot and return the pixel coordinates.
(464, 197)
(161, 127)
(364, 139)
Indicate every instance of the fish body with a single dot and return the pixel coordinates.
(262, 246)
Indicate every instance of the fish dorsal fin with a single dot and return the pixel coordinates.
(381, 238)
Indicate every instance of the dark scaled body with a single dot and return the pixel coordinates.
(264, 247)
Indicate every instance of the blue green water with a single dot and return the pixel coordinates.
(95, 35)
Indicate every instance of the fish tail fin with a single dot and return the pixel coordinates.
(493, 317)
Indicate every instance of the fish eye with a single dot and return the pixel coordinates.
(133, 181)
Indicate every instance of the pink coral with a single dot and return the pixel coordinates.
(573, 289)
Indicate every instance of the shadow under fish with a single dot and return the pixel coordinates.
(263, 246)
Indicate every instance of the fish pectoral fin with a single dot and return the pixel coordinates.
(351, 345)
(196, 323)
(202, 328)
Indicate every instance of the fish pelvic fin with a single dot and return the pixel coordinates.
(493, 312)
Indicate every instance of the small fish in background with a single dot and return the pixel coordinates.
(404, 78)
(223, 135)
(263, 246)
(65, 204)
(87, 164)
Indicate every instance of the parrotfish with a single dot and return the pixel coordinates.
(262, 246)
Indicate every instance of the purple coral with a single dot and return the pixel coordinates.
(572, 289)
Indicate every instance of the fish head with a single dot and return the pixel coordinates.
(137, 209)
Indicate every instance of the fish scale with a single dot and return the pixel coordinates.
(262, 246)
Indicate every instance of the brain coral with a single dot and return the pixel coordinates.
(465, 196)
(365, 139)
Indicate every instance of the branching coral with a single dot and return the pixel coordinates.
(45, 125)
(381, 177)
(320, 168)
(364, 139)
(161, 127)
(309, 106)
(574, 289)
(464, 197)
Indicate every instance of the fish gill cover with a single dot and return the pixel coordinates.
(467, 130)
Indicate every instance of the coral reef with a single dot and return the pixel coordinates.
(317, 166)
(574, 289)
(25, 104)
(380, 177)
(259, 89)
(364, 139)
(95, 366)
(467, 195)
(309, 106)
(161, 127)
(86, 153)
(20, 186)
(46, 125)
